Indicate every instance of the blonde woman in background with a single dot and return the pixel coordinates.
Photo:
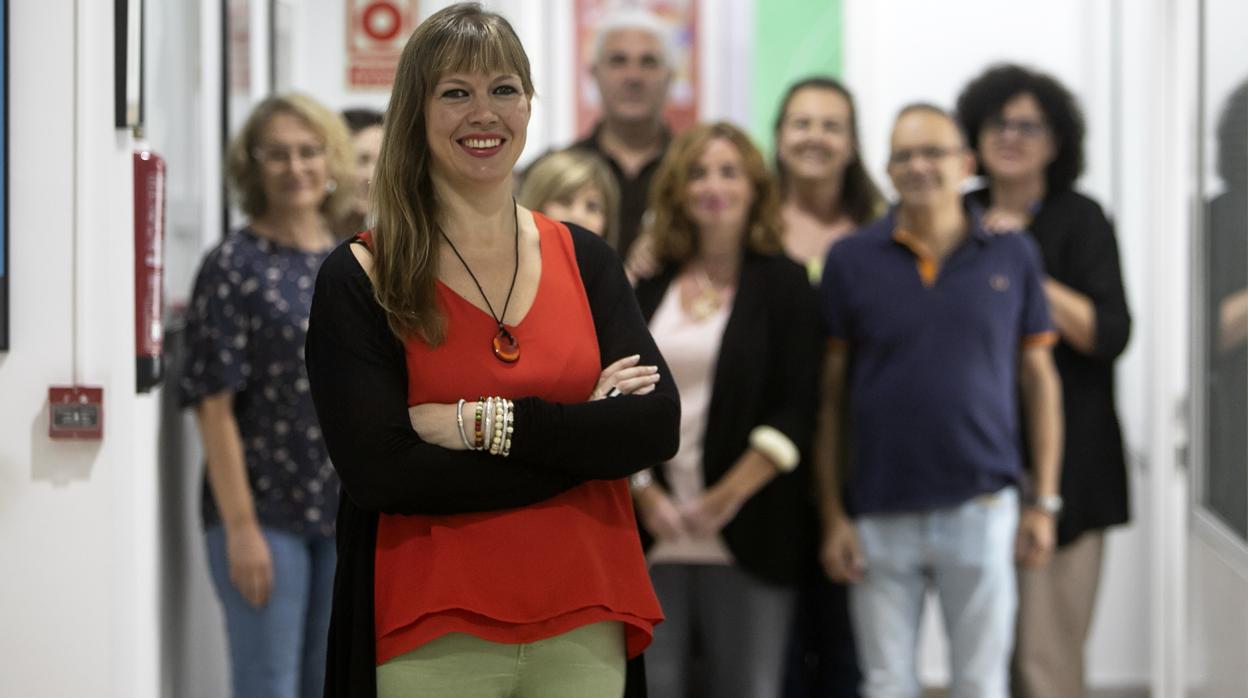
(271, 498)
(576, 186)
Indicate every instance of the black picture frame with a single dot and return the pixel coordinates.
(128, 63)
(4, 175)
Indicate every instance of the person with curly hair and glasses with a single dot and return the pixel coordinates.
(1027, 131)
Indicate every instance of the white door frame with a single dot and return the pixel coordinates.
(1173, 31)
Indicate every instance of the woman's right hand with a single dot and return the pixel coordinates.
(841, 553)
(251, 563)
(626, 375)
(658, 513)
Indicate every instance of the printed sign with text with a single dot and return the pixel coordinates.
(376, 33)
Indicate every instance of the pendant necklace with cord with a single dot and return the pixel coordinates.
(506, 346)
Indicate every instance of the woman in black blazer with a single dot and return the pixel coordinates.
(728, 518)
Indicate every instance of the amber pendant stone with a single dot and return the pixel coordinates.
(506, 347)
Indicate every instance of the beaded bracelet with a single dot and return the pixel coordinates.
(507, 420)
(496, 436)
(493, 425)
(479, 433)
(511, 417)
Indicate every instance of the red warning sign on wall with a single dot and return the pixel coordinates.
(376, 33)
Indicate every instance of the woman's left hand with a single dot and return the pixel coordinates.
(436, 424)
(627, 377)
(709, 513)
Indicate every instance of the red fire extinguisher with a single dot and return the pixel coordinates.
(149, 264)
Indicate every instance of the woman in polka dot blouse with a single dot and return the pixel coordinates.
(271, 495)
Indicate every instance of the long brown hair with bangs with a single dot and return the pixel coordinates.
(460, 38)
(675, 236)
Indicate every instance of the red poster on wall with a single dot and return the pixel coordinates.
(376, 33)
(682, 17)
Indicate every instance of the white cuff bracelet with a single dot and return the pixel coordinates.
(778, 448)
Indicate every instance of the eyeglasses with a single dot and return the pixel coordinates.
(1027, 128)
(280, 155)
(930, 153)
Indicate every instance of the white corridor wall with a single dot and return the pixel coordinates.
(78, 595)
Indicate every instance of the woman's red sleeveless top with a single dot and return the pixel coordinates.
(525, 574)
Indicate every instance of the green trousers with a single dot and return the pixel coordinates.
(584, 662)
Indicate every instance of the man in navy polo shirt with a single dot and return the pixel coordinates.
(935, 330)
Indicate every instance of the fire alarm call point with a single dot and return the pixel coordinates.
(76, 412)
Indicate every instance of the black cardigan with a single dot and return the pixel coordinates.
(359, 383)
(766, 373)
(1079, 249)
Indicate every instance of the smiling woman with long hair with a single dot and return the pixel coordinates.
(826, 194)
(729, 514)
(825, 190)
(485, 384)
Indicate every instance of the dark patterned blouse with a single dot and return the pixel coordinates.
(246, 324)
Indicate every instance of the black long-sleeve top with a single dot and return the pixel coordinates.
(766, 373)
(1080, 250)
(359, 382)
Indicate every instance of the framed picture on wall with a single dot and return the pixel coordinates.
(128, 62)
(4, 175)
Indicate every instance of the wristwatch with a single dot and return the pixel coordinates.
(1050, 504)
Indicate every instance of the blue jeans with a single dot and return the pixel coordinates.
(278, 651)
(966, 553)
